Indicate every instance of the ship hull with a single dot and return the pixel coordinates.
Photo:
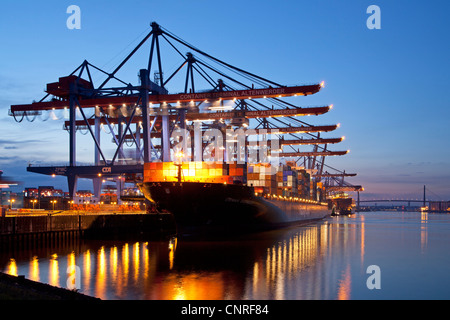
(216, 208)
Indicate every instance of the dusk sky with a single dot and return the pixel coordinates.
(389, 86)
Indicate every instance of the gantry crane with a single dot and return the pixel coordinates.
(138, 114)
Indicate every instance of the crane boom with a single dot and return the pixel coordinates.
(258, 113)
(226, 115)
(308, 154)
(309, 141)
(344, 188)
(173, 98)
(335, 175)
(302, 129)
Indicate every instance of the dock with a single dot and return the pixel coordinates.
(49, 229)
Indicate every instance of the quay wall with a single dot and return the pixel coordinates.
(108, 226)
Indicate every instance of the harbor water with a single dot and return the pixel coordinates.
(372, 255)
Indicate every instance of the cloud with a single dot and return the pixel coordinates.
(3, 141)
(5, 160)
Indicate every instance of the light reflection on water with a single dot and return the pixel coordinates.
(327, 260)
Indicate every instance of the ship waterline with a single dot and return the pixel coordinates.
(228, 208)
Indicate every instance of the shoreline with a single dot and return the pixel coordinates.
(20, 288)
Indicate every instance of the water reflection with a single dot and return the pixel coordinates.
(344, 289)
(54, 270)
(423, 230)
(320, 261)
(284, 264)
(86, 267)
(34, 269)
(12, 267)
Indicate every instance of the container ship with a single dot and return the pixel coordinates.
(146, 120)
(216, 198)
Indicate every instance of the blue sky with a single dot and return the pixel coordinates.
(388, 87)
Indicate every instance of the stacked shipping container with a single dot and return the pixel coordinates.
(285, 180)
(262, 177)
(196, 171)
